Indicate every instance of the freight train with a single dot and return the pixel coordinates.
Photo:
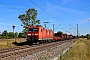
(59, 37)
(40, 34)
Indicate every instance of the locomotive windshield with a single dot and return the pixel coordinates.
(33, 30)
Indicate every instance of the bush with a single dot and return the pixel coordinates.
(88, 37)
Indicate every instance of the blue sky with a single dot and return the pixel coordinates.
(66, 14)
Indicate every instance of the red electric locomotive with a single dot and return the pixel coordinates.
(38, 33)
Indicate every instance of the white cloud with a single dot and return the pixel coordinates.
(8, 27)
(51, 7)
(38, 8)
(72, 11)
(1, 23)
(64, 9)
(82, 22)
(88, 19)
(64, 2)
(19, 6)
(12, 6)
(10, 10)
(3, 5)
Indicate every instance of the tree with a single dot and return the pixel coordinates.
(88, 36)
(16, 34)
(0, 36)
(4, 34)
(58, 33)
(21, 35)
(10, 35)
(29, 19)
(82, 36)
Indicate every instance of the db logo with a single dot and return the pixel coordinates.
(32, 34)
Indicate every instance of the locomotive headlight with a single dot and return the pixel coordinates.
(29, 34)
(36, 34)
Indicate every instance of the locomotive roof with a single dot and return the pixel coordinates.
(39, 26)
(35, 26)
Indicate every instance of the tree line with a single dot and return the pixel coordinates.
(85, 36)
(5, 34)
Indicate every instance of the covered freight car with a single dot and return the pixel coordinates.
(58, 37)
(64, 36)
(69, 36)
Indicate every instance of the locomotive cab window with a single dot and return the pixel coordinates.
(33, 30)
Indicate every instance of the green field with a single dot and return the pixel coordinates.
(79, 51)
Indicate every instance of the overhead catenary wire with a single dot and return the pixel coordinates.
(72, 26)
(52, 15)
(48, 13)
(60, 24)
(39, 7)
(36, 5)
(57, 26)
(57, 16)
(11, 6)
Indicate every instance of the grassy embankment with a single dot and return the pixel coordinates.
(4, 43)
(79, 51)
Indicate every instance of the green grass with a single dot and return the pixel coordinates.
(61, 56)
(43, 58)
(79, 51)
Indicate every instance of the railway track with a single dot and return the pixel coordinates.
(21, 51)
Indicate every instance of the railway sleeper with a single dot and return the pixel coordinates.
(6, 55)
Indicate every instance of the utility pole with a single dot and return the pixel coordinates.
(66, 32)
(14, 31)
(77, 30)
(53, 27)
(45, 23)
(7, 38)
